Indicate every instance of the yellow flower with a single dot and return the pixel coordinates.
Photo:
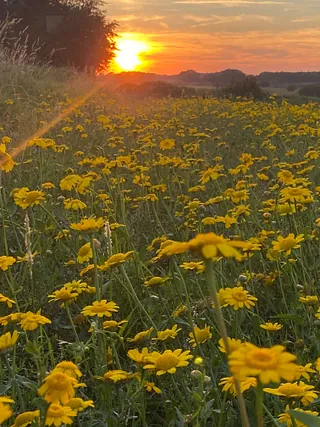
(140, 357)
(88, 225)
(199, 336)
(301, 391)
(271, 326)
(26, 418)
(115, 260)
(110, 324)
(58, 415)
(77, 404)
(68, 368)
(74, 204)
(234, 345)
(237, 297)
(25, 198)
(309, 299)
(5, 408)
(286, 244)
(285, 418)
(8, 340)
(285, 176)
(6, 300)
(198, 266)
(48, 185)
(100, 309)
(64, 295)
(6, 161)
(167, 333)
(167, 144)
(11, 318)
(143, 335)
(6, 262)
(229, 384)
(117, 375)
(31, 321)
(179, 311)
(85, 253)
(156, 280)
(268, 364)
(295, 194)
(150, 387)
(58, 387)
(168, 362)
(304, 371)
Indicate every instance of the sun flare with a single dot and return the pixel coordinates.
(129, 56)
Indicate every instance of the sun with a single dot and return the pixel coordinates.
(129, 56)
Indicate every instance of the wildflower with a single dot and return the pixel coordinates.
(167, 333)
(6, 161)
(141, 336)
(167, 144)
(100, 309)
(77, 404)
(271, 327)
(139, 357)
(295, 194)
(115, 260)
(11, 318)
(179, 311)
(234, 345)
(237, 297)
(150, 387)
(6, 300)
(77, 286)
(117, 375)
(285, 418)
(268, 364)
(58, 387)
(26, 198)
(309, 299)
(88, 225)
(6, 262)
(48, 185)
(31, 321)
(285, 176)
(62, 234)
(8, 340)
(110, 324)
(26, 418)
(74, 204)
(156, 280)
(84, 253)
(58, 415)
(197, 266)
(68, 368)
(64, 295)
(304, 371)
(301, 391)
(286, 244)
(168, 362)
(5, 408)
(229, 384)
(199, 336)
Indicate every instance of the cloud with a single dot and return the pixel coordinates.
(231, 3)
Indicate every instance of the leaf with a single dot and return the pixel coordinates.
(307, 419)
(4, 388)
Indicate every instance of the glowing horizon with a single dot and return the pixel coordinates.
(212, 35)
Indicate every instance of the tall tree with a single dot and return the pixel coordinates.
(76, 31)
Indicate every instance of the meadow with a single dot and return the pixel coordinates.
(159, 260)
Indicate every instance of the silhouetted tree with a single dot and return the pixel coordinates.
(248, 88)
(76, 31)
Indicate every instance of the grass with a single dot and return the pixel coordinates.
(156, 172)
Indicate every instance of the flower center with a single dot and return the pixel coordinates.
(287, 244)
(32, 197)
(239, 296)
(166, 361)
(290, 389)
(262, 359)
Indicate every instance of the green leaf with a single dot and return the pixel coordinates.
(307, 419)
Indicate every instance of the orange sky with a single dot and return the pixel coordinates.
(211, 35)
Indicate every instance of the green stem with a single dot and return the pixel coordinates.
(72, 322)
(259, 405)
(212, 283)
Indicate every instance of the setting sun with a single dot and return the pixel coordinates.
(129, 56)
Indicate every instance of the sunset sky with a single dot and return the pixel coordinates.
(211, 35)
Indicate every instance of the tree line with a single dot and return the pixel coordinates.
(68, 32)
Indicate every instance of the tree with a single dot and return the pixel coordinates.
(72, 32)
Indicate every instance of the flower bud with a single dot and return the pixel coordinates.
(196, 374)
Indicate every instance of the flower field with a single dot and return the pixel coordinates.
(159, 264)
